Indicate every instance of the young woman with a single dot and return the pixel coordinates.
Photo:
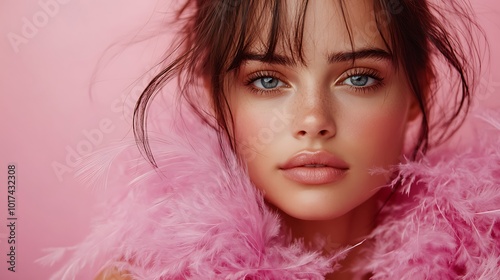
(303, 145)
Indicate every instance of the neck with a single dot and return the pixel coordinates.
(346, 230)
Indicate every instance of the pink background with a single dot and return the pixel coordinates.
(63, 87)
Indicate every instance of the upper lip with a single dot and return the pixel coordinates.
(322, 158)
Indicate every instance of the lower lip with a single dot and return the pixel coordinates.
(314, 175)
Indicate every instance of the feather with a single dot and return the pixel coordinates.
(197, 216)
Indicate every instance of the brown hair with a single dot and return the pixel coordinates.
(215, 35)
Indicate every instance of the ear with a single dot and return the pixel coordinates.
(414, 109)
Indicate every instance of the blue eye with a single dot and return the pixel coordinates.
(360, 81)
(267, 83)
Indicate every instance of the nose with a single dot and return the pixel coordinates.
(314, 117)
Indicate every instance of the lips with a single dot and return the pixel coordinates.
(314, 168)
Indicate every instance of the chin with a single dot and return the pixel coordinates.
(316, 216)
(320, 211)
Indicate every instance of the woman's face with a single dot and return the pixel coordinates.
(311, 133)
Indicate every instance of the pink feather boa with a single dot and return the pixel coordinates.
(197, 217)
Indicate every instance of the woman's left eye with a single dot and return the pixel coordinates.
(360, 81)
(267, 83)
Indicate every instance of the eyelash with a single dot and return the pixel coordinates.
(371, 73)
(260, 75)
(349, 74)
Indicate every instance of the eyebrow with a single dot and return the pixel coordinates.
(270, 59)
(374, 53)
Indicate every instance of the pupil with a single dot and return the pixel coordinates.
(359, 80)
(269, 82)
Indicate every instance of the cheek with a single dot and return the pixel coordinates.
(378, 132)
(261, 134)
(253, 132)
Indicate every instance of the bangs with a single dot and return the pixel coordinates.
(267, 28)
(273, 28)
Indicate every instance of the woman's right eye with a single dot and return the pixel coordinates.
(267, 83)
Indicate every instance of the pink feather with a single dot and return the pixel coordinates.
(197, 218)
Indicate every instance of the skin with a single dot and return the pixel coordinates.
(280, 110)
(112, 274)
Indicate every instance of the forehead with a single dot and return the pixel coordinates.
(300, 29)
(342, 23)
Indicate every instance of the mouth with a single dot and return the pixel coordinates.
(314, 168)
(314, 165)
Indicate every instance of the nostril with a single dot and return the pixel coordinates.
(321, 133)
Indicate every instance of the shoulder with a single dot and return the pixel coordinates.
(112, 274)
